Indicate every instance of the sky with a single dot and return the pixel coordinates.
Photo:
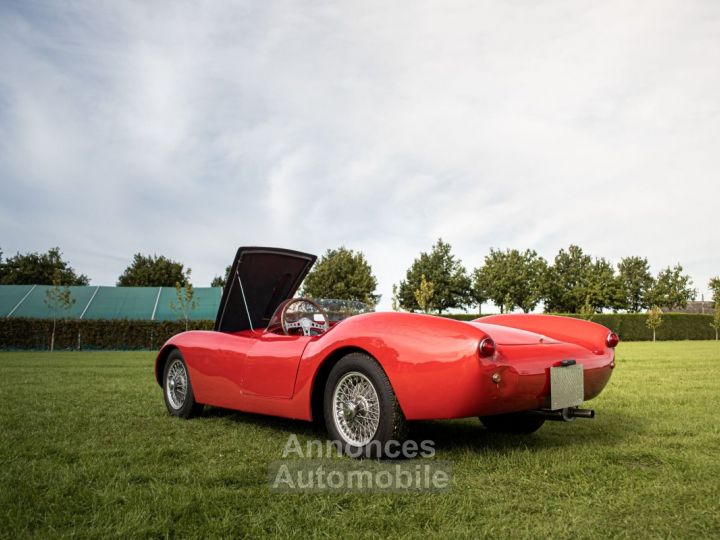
(188, 129)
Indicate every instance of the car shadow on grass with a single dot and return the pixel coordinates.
(468, 434)
(274, 423)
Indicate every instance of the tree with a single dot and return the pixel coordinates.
(39, 269)
(636, 282)
(221, 281)
(395, 301)
(58, 299)
(714, 286)
(716, 320)
(567, 285)
(479, 292)
(654, 319)
(152, 271)
(342, 274)
(451, 284)
(511, 278)
(672, 289)
(603, 287)
(423, 295)
(587, 311)
(576, 283)
(186, 303)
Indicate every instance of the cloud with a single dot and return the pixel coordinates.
(189, 129)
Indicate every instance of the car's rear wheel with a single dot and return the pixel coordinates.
(177, 389)
(361, 411)
(517, 423)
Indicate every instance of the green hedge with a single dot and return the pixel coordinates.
(34, 334)
(632, 327)
(462, 316)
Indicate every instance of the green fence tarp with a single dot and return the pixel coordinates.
(35, 306)
(10, 297)
(93, 302)
(207, 300)
(123, 303)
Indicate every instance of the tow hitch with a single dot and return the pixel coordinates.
(563, 415)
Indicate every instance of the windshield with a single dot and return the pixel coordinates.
(336, 310)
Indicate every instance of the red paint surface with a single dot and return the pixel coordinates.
(432, 363)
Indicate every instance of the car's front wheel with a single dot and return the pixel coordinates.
(361, 410)
(177, 389)
(517, 423)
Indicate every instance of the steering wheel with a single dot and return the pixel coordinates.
(299, 314)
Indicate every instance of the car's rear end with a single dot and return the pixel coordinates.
(545, 364)
(442, 368)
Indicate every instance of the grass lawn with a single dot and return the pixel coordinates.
(87, 449)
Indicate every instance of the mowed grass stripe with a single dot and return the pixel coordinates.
(87, 449)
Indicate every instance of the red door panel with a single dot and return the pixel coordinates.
(271, 365)
(217, 373)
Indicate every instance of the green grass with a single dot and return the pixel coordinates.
(87, 449)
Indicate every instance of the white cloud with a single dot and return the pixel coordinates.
(189, 129)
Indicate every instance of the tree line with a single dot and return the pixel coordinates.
(574, 282)
(50, 268)
(436, 281)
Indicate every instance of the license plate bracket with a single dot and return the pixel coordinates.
(567, 386)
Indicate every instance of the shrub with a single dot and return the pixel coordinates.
(19, 333)
(633, 326)
(34, 334)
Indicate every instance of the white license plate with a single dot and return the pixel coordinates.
(567, 386)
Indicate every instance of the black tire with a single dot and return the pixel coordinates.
(189, 408)
(391, 425)
(515, 423)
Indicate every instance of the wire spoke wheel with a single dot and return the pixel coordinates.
(356, 408)
(176, 384)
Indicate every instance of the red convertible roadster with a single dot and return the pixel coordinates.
(368, 374)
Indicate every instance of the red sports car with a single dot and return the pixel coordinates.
(367, 375)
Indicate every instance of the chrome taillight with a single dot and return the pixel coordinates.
(612, 340)
(486, 348)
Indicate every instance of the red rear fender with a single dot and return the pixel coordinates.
(427, 359)
(587, 334)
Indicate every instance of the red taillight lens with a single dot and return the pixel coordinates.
(612, 340)
(486, 348)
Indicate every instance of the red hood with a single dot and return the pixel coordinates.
(503, 335)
